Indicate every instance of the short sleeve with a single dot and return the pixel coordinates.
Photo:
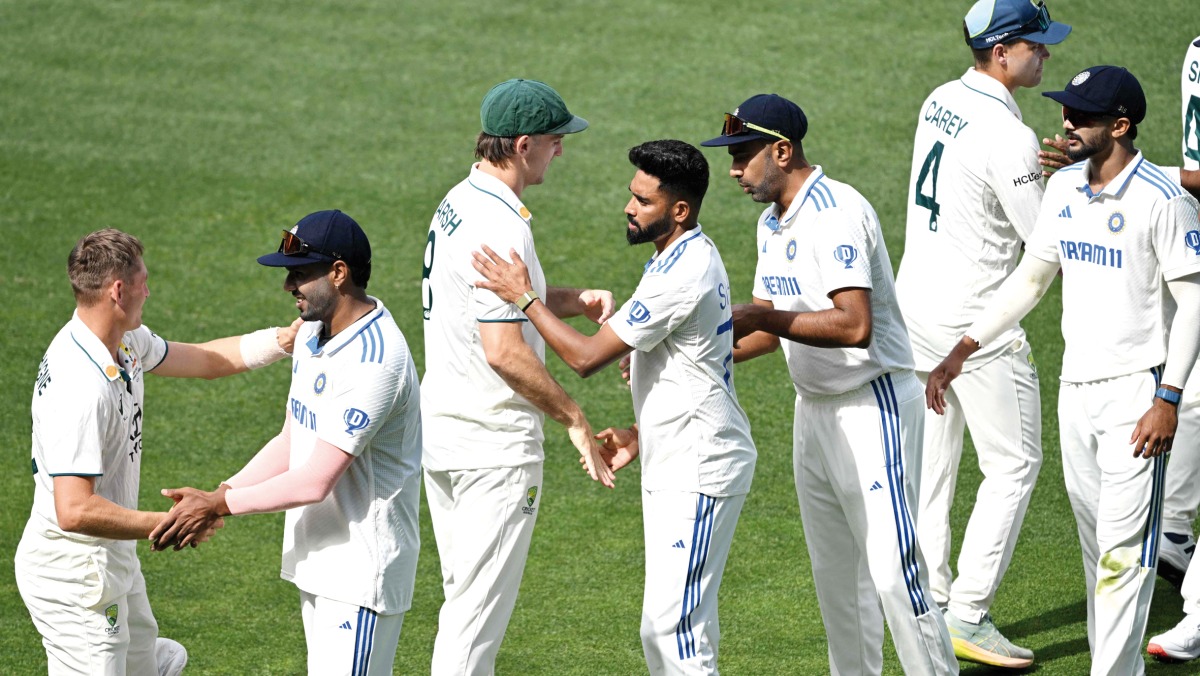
(148, 346)
(487, 306)
(358, 411)
(844, 249)
(1177, 237)
(72, 441)
(658, 306)
(1016, 177)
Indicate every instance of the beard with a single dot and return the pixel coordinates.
(770, 187)
(321, 302)
(649, 232)
(1085, 149)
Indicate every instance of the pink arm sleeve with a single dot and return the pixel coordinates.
(298, 486)
(271, 461)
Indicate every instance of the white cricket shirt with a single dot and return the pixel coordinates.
(830, 239)
(1190, 88)
(973, 198)
(1116, 249)
(472, 419)
(87, 421)
(693, 434)
(358, 391)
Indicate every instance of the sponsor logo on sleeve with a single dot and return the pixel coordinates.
(1192, 239)
(638, 313)
(846, 255)
(355, 419)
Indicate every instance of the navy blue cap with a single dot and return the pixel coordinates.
(764, 116)
(324, 236)
(1104, 90)
(993, 22)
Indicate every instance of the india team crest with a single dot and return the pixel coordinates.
(1116, 222)
(791, 249)
(1081, 78)
(1192, 239)
(319, 383)
(110, 614)
(846, 255)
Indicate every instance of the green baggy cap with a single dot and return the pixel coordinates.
(526, 107)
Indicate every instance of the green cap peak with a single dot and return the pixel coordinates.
(526, 107)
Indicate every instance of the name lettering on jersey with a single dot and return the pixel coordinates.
(355, 419)
(638, 313)
(1192, 239)
(723, 295)
(448, 221)
(945, 119)
(1194, 71)
(781, 286)
(1031, 177)
(302, 414)
(135, 432)
(1087, 252)
(846, 255)
(43, 376)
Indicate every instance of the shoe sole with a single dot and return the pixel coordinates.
(1165, 655)
(1171, 573)
(973, 653)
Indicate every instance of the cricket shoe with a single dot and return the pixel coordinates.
(1181, 643)
(983, 643)
(171, 657)
(1174, 555)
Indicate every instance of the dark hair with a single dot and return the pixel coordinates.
(497, 150)
(98, 259)
(360, 273)
(680, 168)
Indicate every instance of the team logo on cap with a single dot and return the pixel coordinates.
(319, 383)
(1116, 222)
(791, 249)
(355, 419)
(846, 255)
(1192, 239)
(1081, 78)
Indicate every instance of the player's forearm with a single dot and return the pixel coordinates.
(584, 354)
(564, 301)
(304, 485)
(222, 357)
(755, 345)
(271, 460)
(1183, 344)
(1014, 299)
(101, 518)
(834, 327)
(521, 370)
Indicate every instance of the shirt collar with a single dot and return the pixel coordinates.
(673, 246)
(94, 348)
(991, 88)
(772, 219)
(490, 185)
(1115, 187)
(348, 334)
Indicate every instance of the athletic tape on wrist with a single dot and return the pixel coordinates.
(261, 348)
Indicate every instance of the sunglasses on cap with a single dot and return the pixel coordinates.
(1039, 23)
(292, 245)
(735, 125)
(1079, 118)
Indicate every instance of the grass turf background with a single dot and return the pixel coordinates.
(204, 128)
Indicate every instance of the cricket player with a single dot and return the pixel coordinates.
(824, 283)
(76, 564)
(1127, 240)
(692, 435)
(345, 466)
(973, 198)
(486, 388)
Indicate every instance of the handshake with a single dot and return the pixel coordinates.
(193, 519)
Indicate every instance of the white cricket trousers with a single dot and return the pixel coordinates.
(857, 462)
(1117, 500)
(483, 521)
(114, 636)
(348, 640)
(1182, 494)
(688, 536)
(1000, 403)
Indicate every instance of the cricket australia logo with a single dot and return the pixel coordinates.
(638, 313)
(530, 498)
(846, 255)
(110, 614)
(355, 419)
(1192, 239)
(1116, 222)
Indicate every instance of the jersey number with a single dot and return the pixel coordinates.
(932, 162)
(426, 289)
(1191, 130)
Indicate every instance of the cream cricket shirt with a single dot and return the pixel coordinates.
(1190, 87)
(87, 421)
(694, 436)
(1116, 249)
(472, 419)
(359, 392)
(973, 198)
(830, 239)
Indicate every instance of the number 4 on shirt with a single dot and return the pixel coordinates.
(932, 162)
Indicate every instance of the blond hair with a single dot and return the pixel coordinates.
(98, 259)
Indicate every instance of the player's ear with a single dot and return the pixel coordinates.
(522, 144)
(339, 273)
(781, 152)
(1119, 127)
(680, 211)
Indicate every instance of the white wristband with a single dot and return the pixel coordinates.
(261, 348)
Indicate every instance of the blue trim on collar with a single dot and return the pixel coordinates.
(502, 200)
(983, 93)
(89, 356)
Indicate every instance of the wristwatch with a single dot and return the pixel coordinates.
(526, 299)
(1169, 396)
